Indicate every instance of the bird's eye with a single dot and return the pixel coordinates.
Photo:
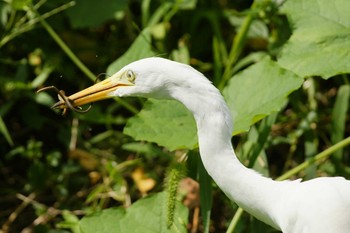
(130, 76)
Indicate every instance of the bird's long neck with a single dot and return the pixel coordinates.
(247, 188)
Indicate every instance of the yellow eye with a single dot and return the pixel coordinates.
(130, 76)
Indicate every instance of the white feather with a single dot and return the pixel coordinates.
(320, 205)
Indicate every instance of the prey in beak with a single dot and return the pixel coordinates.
(99, 91)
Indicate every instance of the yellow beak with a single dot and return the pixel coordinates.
(99, 91)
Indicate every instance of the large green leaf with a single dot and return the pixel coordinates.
(147, 215)
(166, 122)
(257, 92)
(251, 95)
(320, 42)
(107, 220)
(91, 13)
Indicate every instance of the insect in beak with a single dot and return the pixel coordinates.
(68, 103)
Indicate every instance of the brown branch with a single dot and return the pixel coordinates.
(25, 202)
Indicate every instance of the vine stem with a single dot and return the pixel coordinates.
(319, 157)
(237, 47)
(64, 47)
(322, 156)
(21, 26)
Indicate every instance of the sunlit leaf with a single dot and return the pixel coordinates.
(320, 42)
(103, 222)
(257, 92)
(42, 77)
(165, 122)
(44, 99)
(70, 221)
(251, 95)
(187, 5)
(20, 4)
(147, 215)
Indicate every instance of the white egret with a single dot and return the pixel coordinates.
(321, 205)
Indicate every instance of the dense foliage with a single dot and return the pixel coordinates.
(132, 165)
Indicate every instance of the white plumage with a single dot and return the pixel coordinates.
(321, 205)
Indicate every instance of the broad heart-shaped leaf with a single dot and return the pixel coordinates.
(91, 13)
(320, 43)
(251, 95)
(106, 221)
(147, 215)
(257, 92)
(140, 48)
(165, 122)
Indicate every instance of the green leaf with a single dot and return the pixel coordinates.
(20, 4)
(206, 197)
(141, 48)
(257, 92)
(70, 221)
(165, 122)
(44, 99)
(91, 13)
(106, 221)
(186, 5)
(42, 77)
(339, 115)
(251, 95)
(147, 215)
(320, 42)
(257, 138)
(5, 132)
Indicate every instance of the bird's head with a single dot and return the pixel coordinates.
(158, 78)
(149, 77)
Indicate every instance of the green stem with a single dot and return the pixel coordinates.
(5, 132)
(126, 105)
(319, 157)
(21, 26)
(145, 12)
(50, 13)
(237, 47)
(235, 220)
(65, 48)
